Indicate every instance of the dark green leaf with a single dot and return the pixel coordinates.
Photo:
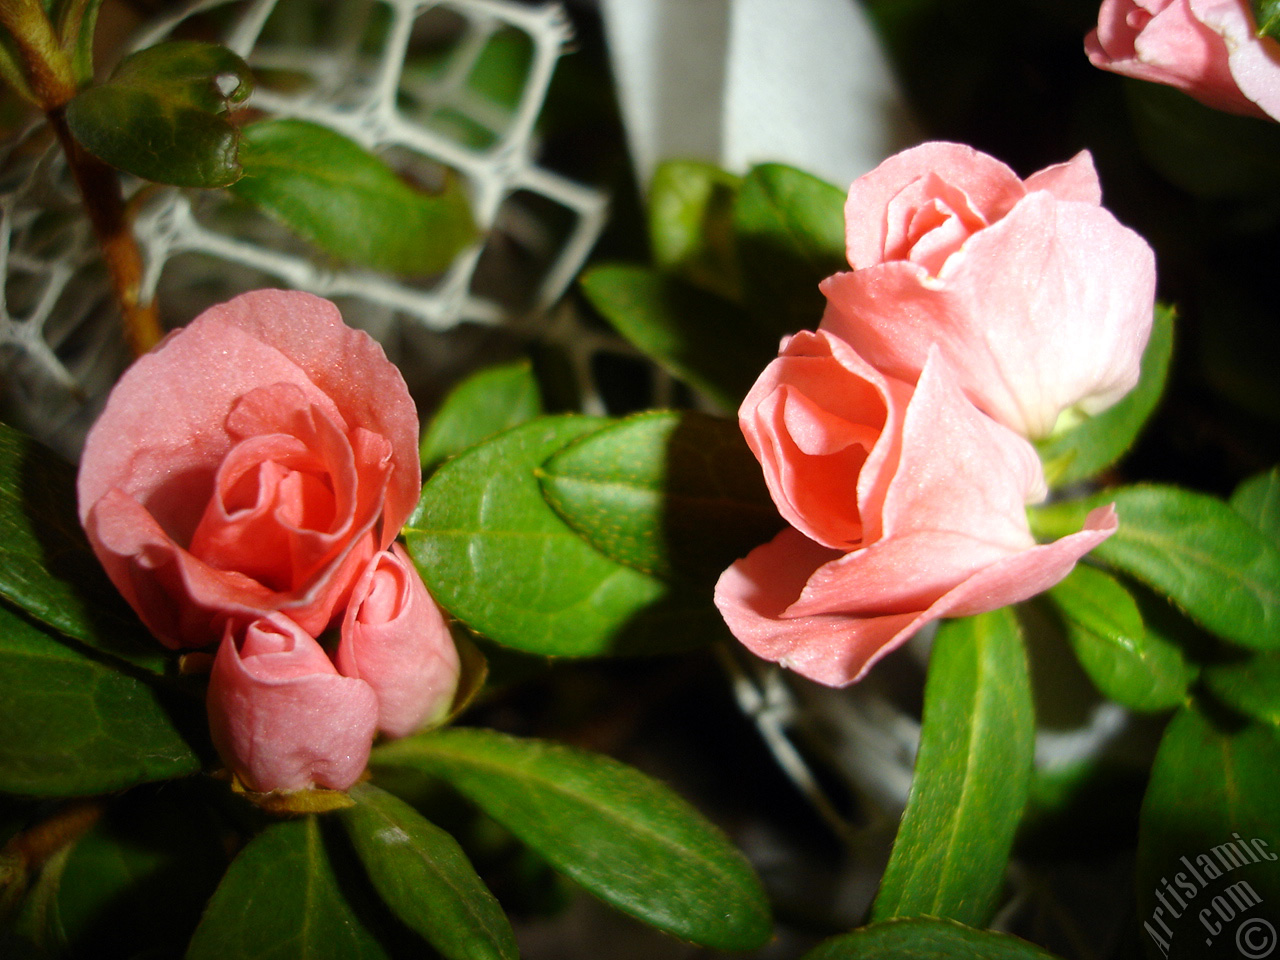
(1266, 16)
(348, 202)
(626, 838)
(971, 779)
(667, 493)
(1128, 661)
(691, 225)
(425, 878)
(496, 556)
(925, 939)
(162, 115)
(46, 565)
(1098, 442)
(484, 404)
(1193, 549)
(1258, 501)
(281, 900)
(790, 228)
(1251, 686)
(73, 725)
(697, 336)
(1209, 829)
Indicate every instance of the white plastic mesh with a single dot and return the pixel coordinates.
(397, 77)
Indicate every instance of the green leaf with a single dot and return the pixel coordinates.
(424, 877)
(972, 774)
(1266, 16)
(1258, 501)
(925, 938)
(73, 725)
(496, 556)
(282, 899)
(790, 228)
(46, 565)
(76, 23)
(691, 225)
(1128, 661)
(699, 337)
(668, 493)
(624, 837)
(348, 202)
(1251, 686)
(1193, 549)
(162, 115)
(1098, 442)
(1210, 800)
(485, 403)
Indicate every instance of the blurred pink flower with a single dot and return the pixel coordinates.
(1206, 48)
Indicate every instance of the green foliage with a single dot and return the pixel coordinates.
(282, 899)
(971, 779)
(697, 336)
(1258, 501)
(424, 877)
(46, 565)
(163, 114)
(1266, 15)
(626, 838)
(75, 22)
(1126, 659)
(1098, 442)
(670, 494)
(691, 225)
(925, 939)
(349, 202)
(1213, 785)
(74, 725)
(1251, 686)
(485, 403)
(496, 556)
(1193, 549)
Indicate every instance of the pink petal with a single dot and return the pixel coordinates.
(396, 640)
(1253, 61)
(989, 186)
(281, 716)
(1076, 179)
(1049, 308)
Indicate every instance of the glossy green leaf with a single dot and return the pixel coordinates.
(75, 725)
(1098, 442)
(691, 225)
(1209, 829)
(496, 556)
(668, 493)
(162, 115)
(1193, 549)
(1127, 661)
(281, 899)
(348, 202)
(790, 229)
(485, 403)
(1258, 501)
(1251, 686)
(424, 877)
(925, 938)
(626, 838)
(1266, 17)
(46, 565)
(701, 338)
(972, 774)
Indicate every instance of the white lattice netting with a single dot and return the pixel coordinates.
(430, 86)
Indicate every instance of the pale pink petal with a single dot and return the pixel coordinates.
(1253, 61)
(1049, 308)
(1076, 179)
(396, 640)
(280, 715)
(989, 186)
